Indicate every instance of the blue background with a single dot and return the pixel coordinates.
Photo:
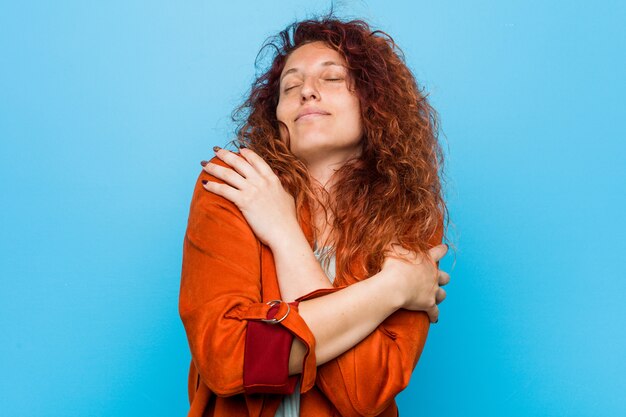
(106, 109)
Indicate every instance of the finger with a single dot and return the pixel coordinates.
(257, 162)
(433, 314)
(229, 176)
(240, 164)
(438, 252)
(401, 251)
(440, 296)
(224, 190)
(444, 278)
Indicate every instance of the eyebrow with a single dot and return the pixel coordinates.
(292, 70)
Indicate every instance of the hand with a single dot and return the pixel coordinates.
(418, 279)
(256, 190)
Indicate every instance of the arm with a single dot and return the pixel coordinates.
(297, 269)
(393, 346)
(342, 319)
(220, 303)
(385, 359)
(339, 320)
(361, 333)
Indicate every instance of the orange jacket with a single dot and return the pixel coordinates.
(239, 363)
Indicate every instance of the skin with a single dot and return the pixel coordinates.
(316, 77)
(341, 319)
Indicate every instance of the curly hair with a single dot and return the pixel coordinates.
(392, 191)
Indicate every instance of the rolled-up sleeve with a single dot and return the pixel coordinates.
(364, 380)
(221, 307)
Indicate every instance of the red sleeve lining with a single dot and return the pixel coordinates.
(266, 357)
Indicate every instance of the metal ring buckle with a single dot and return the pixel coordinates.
(272, 303)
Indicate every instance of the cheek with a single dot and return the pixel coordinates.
(279, 112)
(356, 120)
(283, 132)
(282, 111)
(283, 129)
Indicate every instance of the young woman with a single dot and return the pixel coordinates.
(310, 262)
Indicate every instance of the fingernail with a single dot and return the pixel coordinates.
(204, 182)
(216, 148)
(203, 163)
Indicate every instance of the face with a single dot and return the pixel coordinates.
(320, 112)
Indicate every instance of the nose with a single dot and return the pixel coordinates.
(309, 90)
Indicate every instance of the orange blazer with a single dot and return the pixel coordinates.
(239, 363)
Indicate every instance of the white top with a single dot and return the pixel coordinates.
(290, 407)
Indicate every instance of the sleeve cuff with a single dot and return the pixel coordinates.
(268, 346)
(266, 357)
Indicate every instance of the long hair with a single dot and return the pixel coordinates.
(393, 191)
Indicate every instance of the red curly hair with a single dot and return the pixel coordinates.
(393, 190)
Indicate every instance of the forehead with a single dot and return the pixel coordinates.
(311, 55)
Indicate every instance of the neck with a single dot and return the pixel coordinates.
(322, 172)
(323, 167)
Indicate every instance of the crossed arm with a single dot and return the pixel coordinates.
(355, 331)
(338, 320)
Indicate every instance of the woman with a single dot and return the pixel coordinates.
(310, 263)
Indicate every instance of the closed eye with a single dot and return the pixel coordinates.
(326, 79)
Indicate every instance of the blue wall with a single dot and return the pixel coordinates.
(107, 108)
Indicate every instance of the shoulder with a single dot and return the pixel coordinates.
(206, 201)
(212, 215)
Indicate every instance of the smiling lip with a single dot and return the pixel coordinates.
(312, 113)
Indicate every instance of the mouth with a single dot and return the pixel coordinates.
(311, 116)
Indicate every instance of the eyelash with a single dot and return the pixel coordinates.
(326, 79)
